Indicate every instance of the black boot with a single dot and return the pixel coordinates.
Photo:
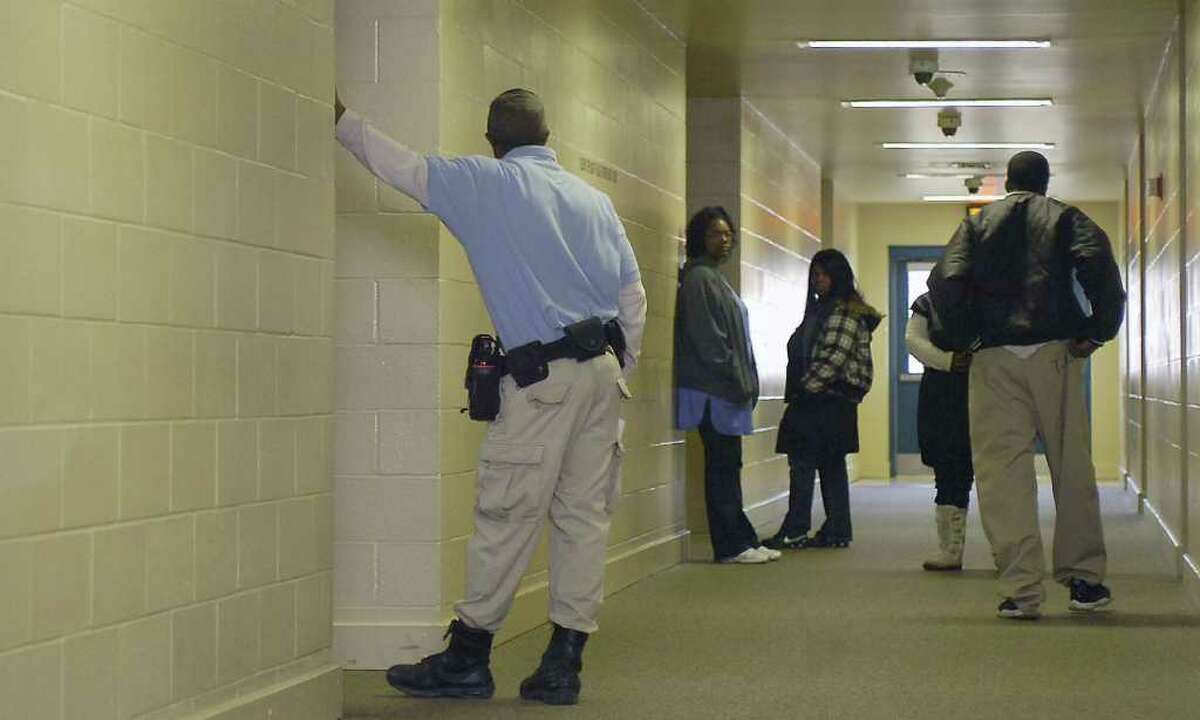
(556, 681)
(459, 671)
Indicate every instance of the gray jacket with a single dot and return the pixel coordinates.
(712, 347)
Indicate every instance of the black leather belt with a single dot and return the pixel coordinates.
(529, 364)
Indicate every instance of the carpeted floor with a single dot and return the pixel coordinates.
(864, 633)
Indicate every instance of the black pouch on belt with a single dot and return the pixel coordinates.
(528, 364)
(587, 338)
(485, 367)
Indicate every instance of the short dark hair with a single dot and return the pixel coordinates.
(517, 117)
(698, 226)
(1028, 171)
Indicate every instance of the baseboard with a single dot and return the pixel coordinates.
(313, 695)
(377, 645)
(1174, 548)
(1191, 577)
(1132, 485)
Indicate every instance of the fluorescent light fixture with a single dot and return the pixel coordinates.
(967, 146)
(962, 198)
(944, 176)
(947, 102)
(924, 44)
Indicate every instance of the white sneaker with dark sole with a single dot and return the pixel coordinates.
(771, 554)
(749, 556)
(1010, 610)
(1088, 597)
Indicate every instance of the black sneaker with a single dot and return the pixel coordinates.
(1086, 597)
(782, 542)
(1009, 609)
(824, 541)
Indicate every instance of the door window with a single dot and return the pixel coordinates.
(918, 275)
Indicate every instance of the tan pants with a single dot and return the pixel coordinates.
(554, 450)
(1012, 401)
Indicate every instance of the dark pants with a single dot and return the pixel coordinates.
(835, 495)
(953, 482)
(728, 525)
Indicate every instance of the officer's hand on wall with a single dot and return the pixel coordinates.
(961, 362)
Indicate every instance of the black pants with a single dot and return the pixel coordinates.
(728, 525)
(953, 481)
(835, 496)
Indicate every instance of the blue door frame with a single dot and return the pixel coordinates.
(902, 398)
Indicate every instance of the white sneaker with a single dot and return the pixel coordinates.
(749, 556)
(771, 554)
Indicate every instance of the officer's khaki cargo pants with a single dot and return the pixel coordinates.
(553, 451)
(1012, 400)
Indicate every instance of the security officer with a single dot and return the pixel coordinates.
(555, 268)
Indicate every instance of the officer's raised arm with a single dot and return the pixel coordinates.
(389, 160)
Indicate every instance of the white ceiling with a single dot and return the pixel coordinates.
(1105, 57)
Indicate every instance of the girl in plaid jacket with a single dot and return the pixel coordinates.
(829, 372)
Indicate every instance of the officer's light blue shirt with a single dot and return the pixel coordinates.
(548, 250)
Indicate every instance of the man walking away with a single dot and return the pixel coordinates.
(560, 282)
(1006, 286)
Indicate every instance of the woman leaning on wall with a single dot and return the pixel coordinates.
(717, 382)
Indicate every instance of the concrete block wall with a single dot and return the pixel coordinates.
(166, 359)
(387, 439)
(1134, 456)
(613, 81)
(1162, 377)
(780, 232)
(1164, 337)
(1164, 248)
(737, 159)
(425, 71)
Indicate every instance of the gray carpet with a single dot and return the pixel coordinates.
(864, 633)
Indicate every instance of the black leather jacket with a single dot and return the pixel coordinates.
(1006, 277)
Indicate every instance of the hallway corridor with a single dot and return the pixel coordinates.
(865, 634)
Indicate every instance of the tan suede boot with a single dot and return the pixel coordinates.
(951, 527)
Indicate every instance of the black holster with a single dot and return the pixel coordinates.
(485, 367)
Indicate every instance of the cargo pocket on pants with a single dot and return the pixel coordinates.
(511, 481)
(613, 495)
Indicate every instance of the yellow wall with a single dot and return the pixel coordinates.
(612, 79)
(780, 219)
(880, 226)
(166, 359)
(841, 232)
(1163, 366)
(739, 160)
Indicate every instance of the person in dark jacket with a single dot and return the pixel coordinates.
(1006, 285)
(717, 382)
(829, 372)
(943, 432)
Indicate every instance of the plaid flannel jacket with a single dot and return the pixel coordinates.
(842, 356)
